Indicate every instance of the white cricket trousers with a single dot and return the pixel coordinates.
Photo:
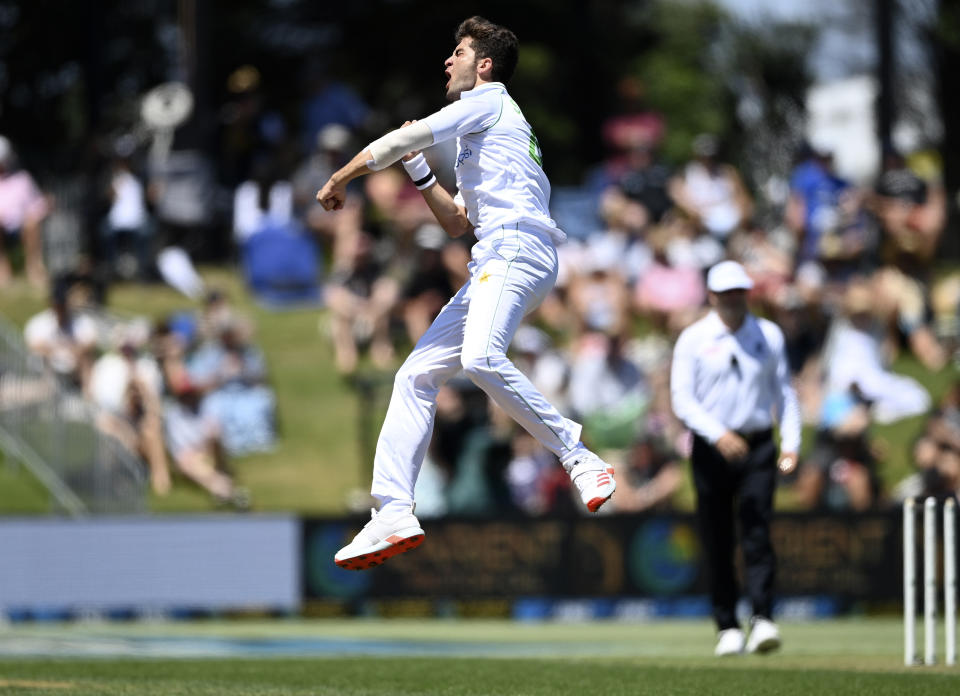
(511, 272)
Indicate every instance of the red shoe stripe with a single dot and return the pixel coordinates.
(399, 545)
(595, 503)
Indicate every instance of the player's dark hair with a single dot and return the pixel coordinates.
(491, 41)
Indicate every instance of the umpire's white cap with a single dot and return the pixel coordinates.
(728, 275)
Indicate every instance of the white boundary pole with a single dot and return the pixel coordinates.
(930, 581)
(909, 582)
(950, 580)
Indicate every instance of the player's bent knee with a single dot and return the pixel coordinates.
(480, 365)
(412, 379)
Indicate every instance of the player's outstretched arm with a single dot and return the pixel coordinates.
(379, 154)
(451, 216)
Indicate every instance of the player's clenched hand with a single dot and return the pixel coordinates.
(413, 153)
(732, 446)
(332, 195)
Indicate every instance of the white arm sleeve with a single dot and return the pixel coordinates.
(682, 391)
(787, 404)
(396, 144)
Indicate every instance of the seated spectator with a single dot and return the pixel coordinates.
(826, 213)
(181, 189)
(912, 216)
(767, 262)
(531, 476)
(22, 210)
(643, 180)
(231, 374)
(689, 246)
(555, 312)
(265, 201)
(394, 208)
(64, 337)
(193, 439)
(945, 307)
(855, 362)
(430, 490)
(598, 294)
(327, 156)
(474, 450)
(216, 313)
(126, 383)
(710, 192)
(607, 390)
(804, 330)
(361, 300)
(669, 295)
(902, 302)
(936, 454)
(623, 238)
(840, 472)
(648, 477)
(430, 284)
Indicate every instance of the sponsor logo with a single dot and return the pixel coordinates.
(663, 557)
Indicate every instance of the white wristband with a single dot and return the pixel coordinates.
(419, 170)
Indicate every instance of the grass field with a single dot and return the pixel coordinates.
(373, 657)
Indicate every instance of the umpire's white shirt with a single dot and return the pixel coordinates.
(499, 174)
(722, 380)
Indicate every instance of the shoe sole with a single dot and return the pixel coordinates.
(371, 559)
(765, 646)
(595, 504)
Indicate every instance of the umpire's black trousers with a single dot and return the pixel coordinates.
(747, 487)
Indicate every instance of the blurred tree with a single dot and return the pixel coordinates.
(765, 71)
(67, 68)
(745, 83)
(680, 81)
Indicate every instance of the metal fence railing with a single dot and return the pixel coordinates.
(53, 432)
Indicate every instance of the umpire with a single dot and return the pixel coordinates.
(728, 381)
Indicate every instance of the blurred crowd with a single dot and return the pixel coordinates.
(185, 394)
(849, 271)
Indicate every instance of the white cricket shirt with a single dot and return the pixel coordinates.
(499, 174)
(722, 380)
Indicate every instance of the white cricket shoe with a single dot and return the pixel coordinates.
(764, 636)
(384, 536)
(729, 642)
(593, 478)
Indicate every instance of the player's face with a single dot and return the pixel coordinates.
(461, 69)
